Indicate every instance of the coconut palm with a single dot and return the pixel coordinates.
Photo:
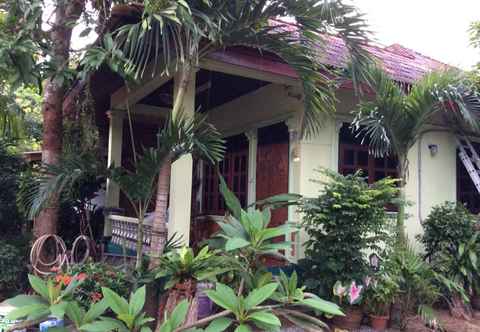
(174, 35)
(397, 116)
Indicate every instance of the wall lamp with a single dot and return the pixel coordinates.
(433, 149)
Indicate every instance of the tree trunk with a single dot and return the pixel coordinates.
(66, 14)
(159, 227)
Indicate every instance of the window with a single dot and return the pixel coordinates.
(466, 191)
(355, 156)
(234, 169)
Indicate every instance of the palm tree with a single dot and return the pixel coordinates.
(174, 35)
(395, 119)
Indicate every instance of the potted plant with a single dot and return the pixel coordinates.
(379, 298)
(349, 297)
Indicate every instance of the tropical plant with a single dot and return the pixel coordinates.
(97, 276)
(12, 265)
(180, 135)
(447, 226)
(417, 283)
(398, 115)
(172, 36)
(381, 293)
(182, 265)
(51, 300)
(247, 233)
(345, 220)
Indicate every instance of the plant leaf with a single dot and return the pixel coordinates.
(236, 243)
(219, 325)
(257, 296)
(118, 304)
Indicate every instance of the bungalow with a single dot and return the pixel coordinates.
(255, 101)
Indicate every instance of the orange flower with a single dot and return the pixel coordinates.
(58, 278)
(66, 280)
(82, 276)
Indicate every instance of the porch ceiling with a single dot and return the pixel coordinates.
(213, 89)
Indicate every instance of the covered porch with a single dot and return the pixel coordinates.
(256, 103)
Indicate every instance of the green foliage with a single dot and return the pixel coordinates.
(11, 166)
(418, 284)
(381, 293)
(12, 265)
(183, 265)
(347, 218)
(447, 226)
(175, 35)
(95, 277)
(51, 299)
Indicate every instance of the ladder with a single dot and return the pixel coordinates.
(469, 158)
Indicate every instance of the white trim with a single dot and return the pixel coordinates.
(336, 144)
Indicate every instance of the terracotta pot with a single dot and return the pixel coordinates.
(352, 319)
(379, 323)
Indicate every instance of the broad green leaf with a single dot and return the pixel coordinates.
(118, 304)
(231, 200)
(58, 310)
(265, 318)
(322, 305)
(243, 328)
(236, 243)
(257, 296)
(75, 313)
(179, 314)
(223, 296)
(38, 286)
(137, 301)
(95, 311)
(145, 329)
(219, 325)
(26, 311)
(270, 233)
(99, 326)
(23, 300)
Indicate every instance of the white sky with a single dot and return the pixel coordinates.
(437, 28)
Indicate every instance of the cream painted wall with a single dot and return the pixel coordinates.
(275, 103)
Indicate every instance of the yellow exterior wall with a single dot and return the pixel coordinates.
(276, 103)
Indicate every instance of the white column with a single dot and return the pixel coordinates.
(336, 144)
(115, 140)
(293, 183)
(181, 178)
(252, 166)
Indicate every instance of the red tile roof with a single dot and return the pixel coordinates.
(403, 64)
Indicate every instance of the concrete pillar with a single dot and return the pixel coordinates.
(181, 178)
(115, 140)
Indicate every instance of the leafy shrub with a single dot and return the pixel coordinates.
(446, 227)
(347, 219)
(12, 267)
(95, 276)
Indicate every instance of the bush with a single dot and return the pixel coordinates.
(95, 276)
(12, 267)
(345, 221)
(446, 227)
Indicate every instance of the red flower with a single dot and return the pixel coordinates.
(66, 280)
(96, 297)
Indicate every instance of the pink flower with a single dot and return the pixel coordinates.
(354, 293)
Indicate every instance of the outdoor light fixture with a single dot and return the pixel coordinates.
(295, 154)
(374, 262)
(433, 149)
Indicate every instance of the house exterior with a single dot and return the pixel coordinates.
(256, 102)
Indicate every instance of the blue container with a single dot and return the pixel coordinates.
(52, 322)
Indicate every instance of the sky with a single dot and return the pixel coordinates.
(436, 28)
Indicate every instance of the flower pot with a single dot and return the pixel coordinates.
(379, 323)
(352, 319)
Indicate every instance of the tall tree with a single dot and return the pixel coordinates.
(174, 35)
(66, 15)
(398, 115)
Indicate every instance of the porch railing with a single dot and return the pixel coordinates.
(124, 232)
